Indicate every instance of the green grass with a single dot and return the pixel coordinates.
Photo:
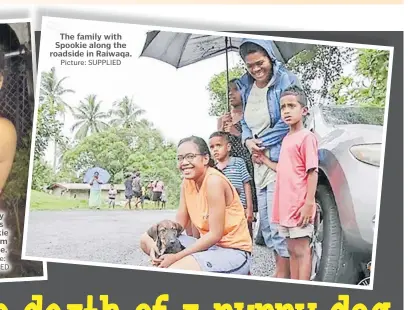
(43, 201)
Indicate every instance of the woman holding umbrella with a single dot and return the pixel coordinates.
(95, 177)
(95, 196)
(263, 131)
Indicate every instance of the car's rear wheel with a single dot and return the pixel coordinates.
(336, 264)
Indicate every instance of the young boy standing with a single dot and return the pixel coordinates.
(112, 196)
(297, 174)
(234, 168)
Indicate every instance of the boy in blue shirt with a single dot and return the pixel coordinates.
(234, 168)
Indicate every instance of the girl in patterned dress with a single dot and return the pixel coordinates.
(230, 123)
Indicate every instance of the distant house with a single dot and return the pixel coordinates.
(81, 191)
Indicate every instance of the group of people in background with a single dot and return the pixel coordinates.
(135, 192)
(260, 159)
(134, 188)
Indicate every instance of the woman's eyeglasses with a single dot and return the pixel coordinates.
(189, 157)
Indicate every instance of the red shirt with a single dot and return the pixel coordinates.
(298, 155)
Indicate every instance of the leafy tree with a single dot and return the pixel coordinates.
(323, 63)
(125, 113)
(103, 149)
(122, 150)
(51, 105)
(48, 129)
(90, 118)
(368, 87)
(52, 90)
(42, 175)
(159, 164)
(218, 89)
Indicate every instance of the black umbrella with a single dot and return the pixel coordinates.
(182, 49)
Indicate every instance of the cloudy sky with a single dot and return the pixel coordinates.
(175, 100)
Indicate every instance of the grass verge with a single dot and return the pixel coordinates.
(42, 201)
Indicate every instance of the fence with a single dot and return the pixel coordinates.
(16, 95)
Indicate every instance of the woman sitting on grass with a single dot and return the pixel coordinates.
(209, 201)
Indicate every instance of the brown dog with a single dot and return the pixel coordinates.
(165, 234)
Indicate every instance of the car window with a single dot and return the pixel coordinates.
(345, 115)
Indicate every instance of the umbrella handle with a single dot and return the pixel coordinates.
(226, 62)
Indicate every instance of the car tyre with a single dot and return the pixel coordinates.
(337, 264)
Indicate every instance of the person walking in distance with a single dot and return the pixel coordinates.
(112, 196)
(158, 188)
(137, 188)
(128, 191)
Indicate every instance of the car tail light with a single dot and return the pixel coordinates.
(367, 153)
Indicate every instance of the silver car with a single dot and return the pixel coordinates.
(350, 149)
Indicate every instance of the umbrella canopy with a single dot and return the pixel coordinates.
(183, 49)
(104, 175)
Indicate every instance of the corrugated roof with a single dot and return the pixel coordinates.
(82, 186)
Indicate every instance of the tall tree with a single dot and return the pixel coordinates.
(125, 113)
(320, 65)
(107, 149)
(90, 118)
(48, 129)
(51, 96)
(218, 89)
(52, 91)
(368, 85)
(121, 150)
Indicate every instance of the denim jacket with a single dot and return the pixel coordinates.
(281, 79)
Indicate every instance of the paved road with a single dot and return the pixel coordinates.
(105, 237)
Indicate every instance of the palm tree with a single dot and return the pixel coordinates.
(89, 117)
(51, 92)
(126, 113)
(146, 123)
